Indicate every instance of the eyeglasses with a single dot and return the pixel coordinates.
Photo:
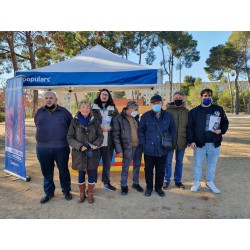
(102, 94)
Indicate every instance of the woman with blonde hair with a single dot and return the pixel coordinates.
(85, 136)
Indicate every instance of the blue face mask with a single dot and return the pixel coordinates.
(207, 101)
(156, 108)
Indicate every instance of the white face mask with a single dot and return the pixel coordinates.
(134, 113)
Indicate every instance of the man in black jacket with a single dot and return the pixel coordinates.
(205, 139)
(125, 137)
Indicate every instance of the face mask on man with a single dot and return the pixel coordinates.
(134, 113)
(156, 108)
(207, 101)
(178, 102)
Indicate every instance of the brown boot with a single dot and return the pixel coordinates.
(91, 188)
(82, 188)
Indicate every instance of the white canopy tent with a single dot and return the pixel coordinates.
(93, 69)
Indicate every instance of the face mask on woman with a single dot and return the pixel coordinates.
(207, 101)
(134, 113)
(156, 108)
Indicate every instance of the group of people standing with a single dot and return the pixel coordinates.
(96, 131)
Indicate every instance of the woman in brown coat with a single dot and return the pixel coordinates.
(85, 136)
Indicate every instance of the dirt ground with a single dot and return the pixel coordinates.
(20, 199)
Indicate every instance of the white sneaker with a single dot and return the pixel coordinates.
(196, 186)
(210, 185)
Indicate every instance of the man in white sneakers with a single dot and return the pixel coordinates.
(205, 138)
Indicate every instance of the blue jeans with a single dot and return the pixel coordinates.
(136, 154)
(179, 155)
(47, 158)
(211, 154)
(91, 176)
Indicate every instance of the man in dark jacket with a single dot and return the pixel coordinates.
(52, 122)
(180, 114)
(205, 139)
(153, 125)
(125, 137)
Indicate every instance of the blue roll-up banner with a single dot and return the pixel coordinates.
(15, 128)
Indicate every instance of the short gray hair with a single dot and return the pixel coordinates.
(50, 92)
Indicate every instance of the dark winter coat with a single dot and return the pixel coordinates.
(197, 122)
(78, 136)
(121, 134)
(180, 115)
(149, 134)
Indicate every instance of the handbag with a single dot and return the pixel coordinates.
(166, 139)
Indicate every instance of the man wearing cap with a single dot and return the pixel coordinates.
(153, 125)
(126, 142)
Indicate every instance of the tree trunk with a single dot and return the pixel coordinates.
(9, 36)
(140, 52)
(29, 44)
(180, 75)
(231, 93)
(248, 78)
(171, 77)
(77, 99)
(243, 98)
(236, 93)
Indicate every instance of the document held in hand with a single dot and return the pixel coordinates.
(214, 123)
(106, 120)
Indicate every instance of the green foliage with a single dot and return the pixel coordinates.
(188, 82)
(193, 99)
(118, 94)
(215, 90)
(224, 100)
(2, 116)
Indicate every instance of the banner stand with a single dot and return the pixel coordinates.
(27, 179)
(15, 153)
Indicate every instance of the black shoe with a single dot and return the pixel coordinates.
(109, 187)
(148, 192)
(179, 185)
(124, 190)
(137, 187)
(160, 192)
(68, 196)
(165, 185)
(46, 198)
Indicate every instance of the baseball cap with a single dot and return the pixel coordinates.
(156, 98)
(132, 104)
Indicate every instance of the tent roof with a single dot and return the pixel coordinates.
(93, 69)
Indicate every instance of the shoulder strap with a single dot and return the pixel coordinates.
(158, 126)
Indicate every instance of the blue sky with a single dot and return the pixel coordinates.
(206, 40)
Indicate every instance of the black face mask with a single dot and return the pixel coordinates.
(178, 102)
(50, 108)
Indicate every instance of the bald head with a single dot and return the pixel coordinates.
(49, 98)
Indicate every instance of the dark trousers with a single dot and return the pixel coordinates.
(106, 153)
(158, 163)
(47, 158)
